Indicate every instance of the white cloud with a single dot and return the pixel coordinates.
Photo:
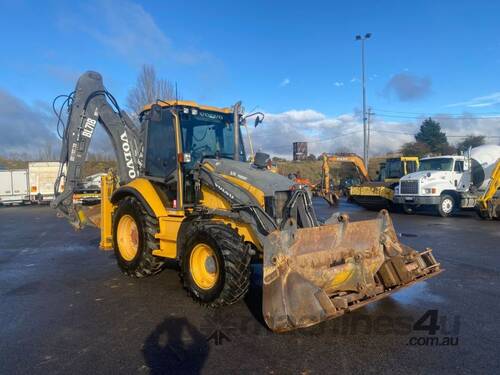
(127, 29)
(345, 132)
(354, 79)
(480, 101)
(285, 82)
(338, 84)
(26, 129)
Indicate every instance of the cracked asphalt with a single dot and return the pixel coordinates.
(66, 308)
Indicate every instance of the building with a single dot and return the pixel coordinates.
(299, 151)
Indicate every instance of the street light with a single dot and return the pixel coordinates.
(365, 131)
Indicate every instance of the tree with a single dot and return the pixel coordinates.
(471, 141)
(415, 149)
(430, 134)
(277, 159)
(47, 153)
(148, 89)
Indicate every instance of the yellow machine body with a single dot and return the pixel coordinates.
(170, 219)
(310, 274)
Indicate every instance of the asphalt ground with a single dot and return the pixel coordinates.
(66, 308)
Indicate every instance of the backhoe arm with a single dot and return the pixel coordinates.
(354, 159)
(487, 204)
(91, 105)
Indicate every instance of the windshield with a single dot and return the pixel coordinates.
(393, 169)
(208, 134)
(437, 164)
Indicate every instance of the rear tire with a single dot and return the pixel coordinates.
(137, 260)
(227, 269)
(446, 205)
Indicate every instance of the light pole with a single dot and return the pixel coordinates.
(365, 132)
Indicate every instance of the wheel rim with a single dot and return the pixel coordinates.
(204, 266)
(128, 237)
(447, 205)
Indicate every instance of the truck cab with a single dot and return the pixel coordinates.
(442, 182)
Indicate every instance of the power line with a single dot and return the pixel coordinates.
(283, 146)
(448, 136)
(458, 117)
(443, 114)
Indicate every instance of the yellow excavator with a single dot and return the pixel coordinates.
(185, 192)
(377, 195)
(325, 188)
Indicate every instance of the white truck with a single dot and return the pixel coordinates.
(42, 177)
(448, 183)
(14, 186)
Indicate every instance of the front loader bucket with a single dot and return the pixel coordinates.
(319, 273)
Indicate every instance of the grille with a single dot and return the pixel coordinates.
(409, 187)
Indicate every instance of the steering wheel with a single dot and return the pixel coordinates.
(198, 152)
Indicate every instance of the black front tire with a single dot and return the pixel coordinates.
(233, 258)
(144, 262)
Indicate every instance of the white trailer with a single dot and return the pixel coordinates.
(42, 177)
(14, 186)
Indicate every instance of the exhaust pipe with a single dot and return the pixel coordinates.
(236, 124)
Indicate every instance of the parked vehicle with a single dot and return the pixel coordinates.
(42, 176)
(448, 183)
(14, 186)
(379, 194)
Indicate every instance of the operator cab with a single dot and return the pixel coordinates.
(395, 168)
(181, 134)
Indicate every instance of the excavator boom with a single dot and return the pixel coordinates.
(91, 106)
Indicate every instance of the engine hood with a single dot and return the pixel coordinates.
(426, 176)
(264, 180)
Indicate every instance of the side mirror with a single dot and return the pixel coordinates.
(258, 120)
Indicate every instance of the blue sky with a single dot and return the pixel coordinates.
(298, 63)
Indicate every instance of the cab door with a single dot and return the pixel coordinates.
(460, 176)
(160, 146)
(161, 162)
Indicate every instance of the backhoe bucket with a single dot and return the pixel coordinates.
(319, 273)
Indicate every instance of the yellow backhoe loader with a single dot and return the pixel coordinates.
(185, 192)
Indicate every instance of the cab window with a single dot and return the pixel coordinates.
(411, 166)
(459, 166)
(161, 152)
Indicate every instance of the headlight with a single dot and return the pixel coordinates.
(430, 191)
